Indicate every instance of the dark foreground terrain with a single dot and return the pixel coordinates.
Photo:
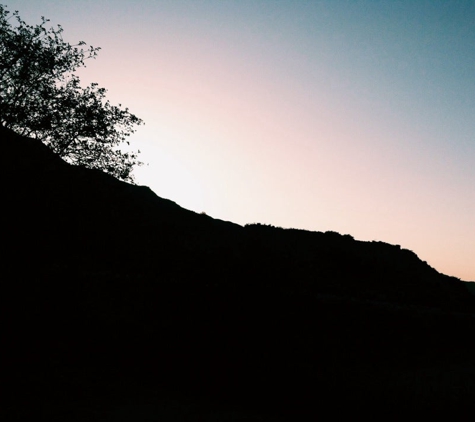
(118, 305)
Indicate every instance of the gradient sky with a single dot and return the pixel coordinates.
(354, 116)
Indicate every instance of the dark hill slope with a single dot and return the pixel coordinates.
(81, 213)
(71, 218)
(106, 284)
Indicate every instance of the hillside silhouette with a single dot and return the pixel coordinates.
(113, 294)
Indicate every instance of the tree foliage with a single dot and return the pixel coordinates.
(41, 97)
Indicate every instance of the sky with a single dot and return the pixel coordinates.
(353, 116)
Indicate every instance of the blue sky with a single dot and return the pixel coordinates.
(353, 116)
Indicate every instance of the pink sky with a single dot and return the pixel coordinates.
(314, 117)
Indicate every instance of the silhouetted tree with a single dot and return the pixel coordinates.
(41, 97)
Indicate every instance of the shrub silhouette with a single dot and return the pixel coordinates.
(41, 97)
